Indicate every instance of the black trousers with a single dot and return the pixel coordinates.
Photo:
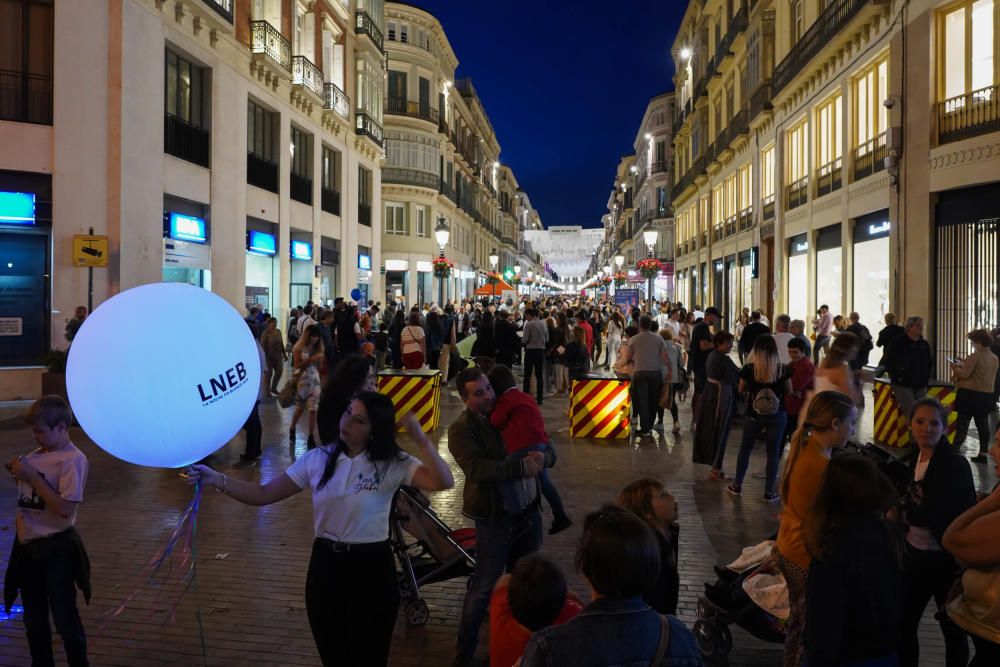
(47, 585)
(534, 361)
(646, 386)
(254, 433)
(352, 598)
(930, 574)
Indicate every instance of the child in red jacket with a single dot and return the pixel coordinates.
(520, 422)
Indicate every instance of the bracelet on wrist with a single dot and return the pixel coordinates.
(225, 484)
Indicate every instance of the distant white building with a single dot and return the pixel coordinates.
(567, 250)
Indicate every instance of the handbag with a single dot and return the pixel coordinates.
(286, 397)
(666, 396)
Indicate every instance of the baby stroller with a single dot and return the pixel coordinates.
(437, 553)
(726, 602)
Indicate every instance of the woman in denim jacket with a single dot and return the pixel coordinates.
(620, 558)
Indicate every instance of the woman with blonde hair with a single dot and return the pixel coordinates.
(827, 425)
(765, 381)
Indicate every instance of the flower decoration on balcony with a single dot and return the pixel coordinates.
(606, 280)
(442, 267)
(492, 277)
(649, 267)
(620, 278)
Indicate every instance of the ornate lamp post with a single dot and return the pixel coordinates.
(494, 261)
(441, 234)
(517, 276)
(650, 236)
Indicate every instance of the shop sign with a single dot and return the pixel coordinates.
(260, 243)
(184, 255)
(17, 208)
(302, 250)
(424, 267)
(187, 228)
(754, 262)
(11, 326)
(364, 262)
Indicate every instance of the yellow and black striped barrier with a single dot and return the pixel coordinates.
(600, 408)
(891, 427)
(418, 392)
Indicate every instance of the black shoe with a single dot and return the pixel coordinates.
(560, 524)
(291, 435)
(310, 443)
(979, 458)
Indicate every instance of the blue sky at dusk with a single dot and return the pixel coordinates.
(565, 84)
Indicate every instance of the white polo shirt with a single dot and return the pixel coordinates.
(354, 504)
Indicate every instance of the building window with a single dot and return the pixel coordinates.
(798, 21)
(301, 155)
(364, 196)
(870, 90)
(26, 52)
(260, 132)
(404, 33)
(185, 90)
(391, 31)
(829, 131)
(422, 230)
(331, 169)
(970, 62)
(395, 220)
(796, 166)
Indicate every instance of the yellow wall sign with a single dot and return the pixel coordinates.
(90, 251)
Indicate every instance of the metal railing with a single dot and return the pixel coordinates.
(262, 173)
(682, 114)
(267, 40)
(869, 157)
(760, 100)
(401, 107)
(184, 140)
(447, 190)
(829, 177)
(26, 98)
(337, 100)
(797, 193)
(658, 167)
(696, 169)
(731, 225)
(830, 22)
(363, 23)
(300, 188)
(367, 126)
(402, 176)
(969, 115)
(746, 218)
(365, 214)
(767, 208)
(307, 75)
(330, 201)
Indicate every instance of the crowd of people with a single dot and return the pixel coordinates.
(862, 554)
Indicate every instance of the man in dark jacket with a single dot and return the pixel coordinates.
(751, 333)
(890, 332)
(909, 362)
(501, 538)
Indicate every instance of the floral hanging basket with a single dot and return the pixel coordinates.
(516, 280)
(606, 280)
(492, 277)
(650, 267)
(442, 267)
(620, 278)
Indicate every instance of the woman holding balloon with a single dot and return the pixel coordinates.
(352, 594)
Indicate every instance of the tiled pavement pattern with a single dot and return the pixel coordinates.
(252, 562)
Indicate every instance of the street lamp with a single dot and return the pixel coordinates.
(607, 288)
(441, 233)
(531, 276)
(494, 260)
(517, 272)
(649, 236)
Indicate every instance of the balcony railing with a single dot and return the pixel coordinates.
(746, 218)
(869, 157)
(266, 40)
(337, 100)
(307, 75)
(363, 23)
(301, 189)
(797, 192)
(692, 173)
(658, 167)
(682, 114)
(830, 22)
(767, 208)
(262, 173)
(829, 177)
(223, 8)
(25, 98)
(447, 190)
(365, 214)
(760, 100)
(401, 107)
(184, 140)
(330, 201)
(401, 176)
(731, 225)
(367, 126)
(969, 115)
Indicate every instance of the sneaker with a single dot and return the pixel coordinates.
(771, 497)
(734, 490)
(979, 458)
(560, 524)
(717, 475)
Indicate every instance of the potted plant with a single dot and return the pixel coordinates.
(620, 278)
(442, 267)
(649, 267)
(54, 379)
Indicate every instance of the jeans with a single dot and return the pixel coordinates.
(534, 361)
(775, 425)
(351, 600)
(929, 574)
(646, 386)
(822, 342)
(906, 397)
(47, 585)
(510, 489)
(254, 433)
(500, 543)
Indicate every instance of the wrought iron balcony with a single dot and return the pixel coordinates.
(401, 176)
(718, 231)
(760, 100)
(767, 208)
(829, 177)
(797, 193)
(307, 75)
(268, 41)
(330, 201)
(830, 22)
(367, 126)
(696, 169)
(731, 225)
(658, 166)
(746, 218)
(363, 23)
(969, 115)
(682, 115)
(869, 157)
(184, 140)
(335, 99)
(400, 107)
(447, 190)
(25, 98)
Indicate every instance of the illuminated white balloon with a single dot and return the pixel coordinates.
(163, 374)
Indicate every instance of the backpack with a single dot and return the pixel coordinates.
(765, 402)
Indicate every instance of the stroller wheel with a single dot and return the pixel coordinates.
(714, 639)
(405, 587)
(417, 612)
(705, 609)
